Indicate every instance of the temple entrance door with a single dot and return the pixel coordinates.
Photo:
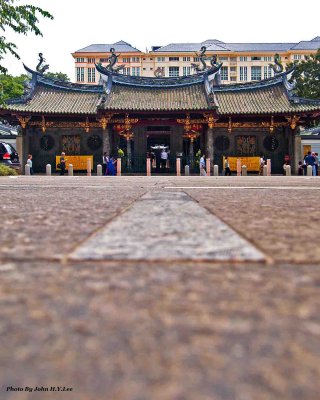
(156, 142)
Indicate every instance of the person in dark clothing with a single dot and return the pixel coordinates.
(310, 160)
(62, 163)
(300, 168)
(227, 170)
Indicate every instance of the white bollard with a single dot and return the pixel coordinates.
(119, 166)
(70, 170)
(48, 169)
(178, 166)
(309, 170)
(244, 170)
(216, 170)
(238, 167)
(186, 170)
(99, 170)
(148, 166)
(27, 169)
(208, 168)
(265, 170)
(88, 166)
(288, 170)
(269, 166)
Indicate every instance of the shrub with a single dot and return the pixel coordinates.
(5, 171)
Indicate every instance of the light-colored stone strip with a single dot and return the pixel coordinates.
(167, 226)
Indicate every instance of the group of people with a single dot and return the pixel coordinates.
(202, 165)
(312, 159)
(159, 159)
(108, 165)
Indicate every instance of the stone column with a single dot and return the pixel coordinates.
(209, 144)
(106, 143)
(297, 152)
(128, 152)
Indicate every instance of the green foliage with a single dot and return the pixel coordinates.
(11, 86)
(6, 171)
(22, 19)
(58, 75)
(307, 76)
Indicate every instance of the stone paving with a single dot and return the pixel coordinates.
(161, 328)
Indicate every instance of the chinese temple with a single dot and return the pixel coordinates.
(184, 114)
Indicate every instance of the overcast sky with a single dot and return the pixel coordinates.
(145, 23)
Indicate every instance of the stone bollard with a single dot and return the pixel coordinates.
(244, 170)
(208, 166)
(99, 170)
(27, 169)
(48, 169)
(265, 170)
(216, 170)
(70, 170)
(309, 170)
(119, 166)
(186, 170)
(238, 167)
(288, 170)
(178, 166)
(148, 166)
(269, 166)
(88, 166)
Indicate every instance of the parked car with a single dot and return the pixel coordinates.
(9, 156)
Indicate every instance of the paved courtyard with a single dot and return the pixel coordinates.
(164, 288)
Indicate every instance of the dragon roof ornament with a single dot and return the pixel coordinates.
(41, 67)
(113, 59)
(277, 66)
(214, 66)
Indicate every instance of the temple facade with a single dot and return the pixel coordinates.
(183, 114)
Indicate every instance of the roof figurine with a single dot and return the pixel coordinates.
(277, 66)
(202, 56)
(40, 67)
(113, 59)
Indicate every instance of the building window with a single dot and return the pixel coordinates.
(269, 58)
(186, 71)
(243, 58)
(91, 74)
(135, 71)
(173, 58)
(255, 58)
(233, 79)
(173, 71)
(233, 69)
(256, 73)
(80, 60)
(186, 58)
(135, 59)
(103, 60)
(297, 57)
(224, 58)
(243, 74)
(91, 60)
(233, 59)
(196, 59)
(126, 71)
(224, 73)
(80, 74)
(267, 72)
(126, 59)
(161, 59)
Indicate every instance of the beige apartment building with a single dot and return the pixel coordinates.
(242, 62)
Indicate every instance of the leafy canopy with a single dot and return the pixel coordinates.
(11, 86)
(58, 75)
(307, 76)
(22, 19)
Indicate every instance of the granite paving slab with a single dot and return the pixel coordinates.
(167, 226)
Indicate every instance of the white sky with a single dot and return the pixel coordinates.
(145, 23)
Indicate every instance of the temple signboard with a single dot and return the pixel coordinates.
(252, 163)
(79, 162)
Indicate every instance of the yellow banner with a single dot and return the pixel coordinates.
(252, 163)
(79, 162)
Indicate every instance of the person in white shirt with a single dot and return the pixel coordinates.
(29, 162)
(203, 166)
(164, 158)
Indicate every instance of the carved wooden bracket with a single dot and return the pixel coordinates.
(23, 121)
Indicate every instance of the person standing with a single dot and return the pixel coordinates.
(111, 170)
(105, 160)
(202, 164)
(262, 163)
(227, 170)
(62, 164)
(316, 165)
(310, 160)
(164, 158)
(300, 168)
(29, 162)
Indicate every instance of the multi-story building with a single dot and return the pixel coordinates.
(242, 62)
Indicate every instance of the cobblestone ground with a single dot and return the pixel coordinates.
(142, 330)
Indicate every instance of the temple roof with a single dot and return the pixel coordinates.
(127, 94)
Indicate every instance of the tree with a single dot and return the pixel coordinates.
(58, 75)
(11, 86)
(22, 20)
(307, 76)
